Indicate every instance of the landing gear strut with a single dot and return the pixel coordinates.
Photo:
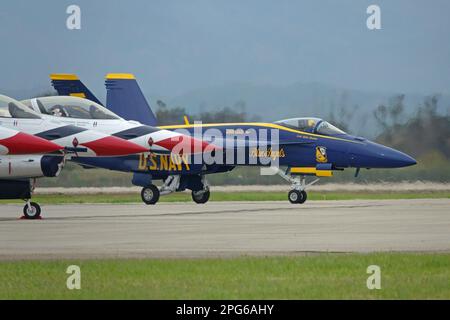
(299, 185)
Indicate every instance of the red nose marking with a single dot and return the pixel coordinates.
(23, 143)
(183, 144)
(113, 146)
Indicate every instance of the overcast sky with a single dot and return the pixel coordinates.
(177, 46)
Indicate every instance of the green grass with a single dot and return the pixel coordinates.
(227, 196)
(322, 276)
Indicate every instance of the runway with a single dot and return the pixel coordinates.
(225, 229)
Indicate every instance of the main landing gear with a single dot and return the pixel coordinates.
(299, 185)
(201, 196)
(151, 194)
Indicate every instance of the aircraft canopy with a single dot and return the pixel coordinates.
(11, 108)
(312, 125)
(70, 107)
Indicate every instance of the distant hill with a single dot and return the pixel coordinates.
(300, 99)
(354, 108)
(26, 93)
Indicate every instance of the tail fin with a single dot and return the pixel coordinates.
(70, 85)
(125, 98)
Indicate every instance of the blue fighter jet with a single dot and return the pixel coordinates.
(304, 147)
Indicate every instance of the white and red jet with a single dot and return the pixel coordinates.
(24, 157)
(85, 113)
(29, 153)
(78, 125)
(15, 115)
(15, 142)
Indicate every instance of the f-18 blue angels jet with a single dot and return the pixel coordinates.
(305, 147)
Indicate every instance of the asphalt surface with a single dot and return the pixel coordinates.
(407, 186)
(225, 229)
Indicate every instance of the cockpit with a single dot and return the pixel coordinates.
(70, 107)
(11, 108)
(311, 125)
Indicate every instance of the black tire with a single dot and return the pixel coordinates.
(200, 196)
(295, 196)
(33, 211)
(150, 194)
(304, 196)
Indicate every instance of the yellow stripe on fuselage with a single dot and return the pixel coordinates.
(312, 170)
(256, 124)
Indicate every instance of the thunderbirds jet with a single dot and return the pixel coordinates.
(306, 146)
(15, 115)
(29, 153)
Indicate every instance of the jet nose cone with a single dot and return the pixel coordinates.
(397, 159)
(391, 158)
(22, 143)
(113, 146)
(185, 144)
(408, 161)
(374, 155)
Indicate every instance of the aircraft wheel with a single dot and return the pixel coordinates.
(304, 197)
(295, 196)
(200, 196)
(33, 211)
(150, 194)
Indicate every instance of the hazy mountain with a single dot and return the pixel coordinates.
(300, 99)
(269, 103)
(26, 93)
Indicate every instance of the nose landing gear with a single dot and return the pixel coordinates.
(31, 210)
(25, 189)
(296, 196)
(299, 185)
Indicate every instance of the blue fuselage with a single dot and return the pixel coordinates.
(292, 148)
